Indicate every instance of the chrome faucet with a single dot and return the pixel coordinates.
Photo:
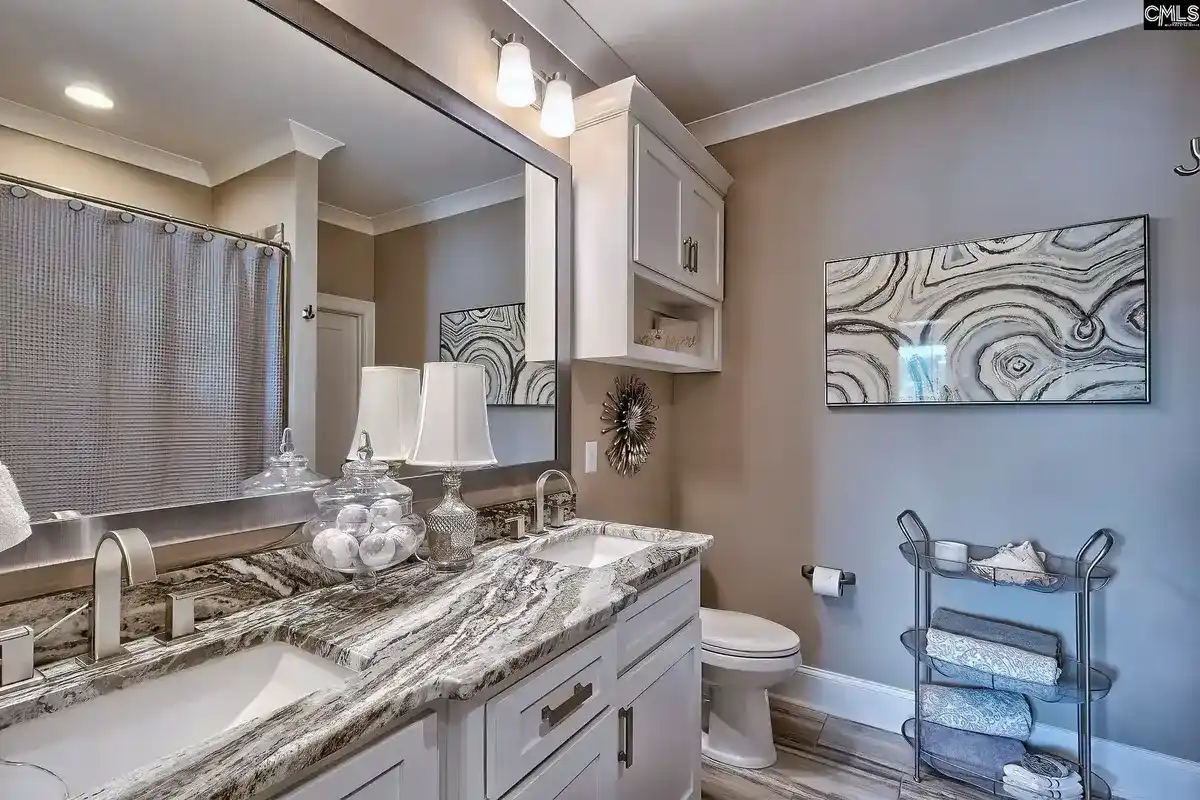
(126, 551)
(557, 514)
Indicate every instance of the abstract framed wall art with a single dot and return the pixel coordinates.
(494, 337)
(1056, 316)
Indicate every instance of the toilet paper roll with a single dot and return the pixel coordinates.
(827, 581)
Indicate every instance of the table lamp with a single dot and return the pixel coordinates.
(453, 435)
(388, 399)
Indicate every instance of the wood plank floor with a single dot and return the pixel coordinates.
(826, 758)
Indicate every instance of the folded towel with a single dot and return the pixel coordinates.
(1049, 766)
(980, 710)
(14, 520)
(1016, 564)
(982, 755)
(1023, 792)
(997, 659)
(987, 630)
(1031, 780)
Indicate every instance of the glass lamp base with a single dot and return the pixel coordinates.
(451, 527)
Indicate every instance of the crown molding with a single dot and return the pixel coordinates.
(489, 194)
(36, 122)
(1049, 30)
(297, 138)
(569, 33)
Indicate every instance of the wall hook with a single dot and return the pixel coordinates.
(1185, 171)
(309, 313)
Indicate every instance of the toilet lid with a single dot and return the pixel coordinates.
(733, 633)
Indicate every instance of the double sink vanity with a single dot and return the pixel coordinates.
(563, 666)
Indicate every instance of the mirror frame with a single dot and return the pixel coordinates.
(58, 554)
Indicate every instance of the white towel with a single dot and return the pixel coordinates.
(14, 519)
(1021, 776)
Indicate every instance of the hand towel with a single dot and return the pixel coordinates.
(1049, 766)
(1016, 564)
(985, 711)
(1024, 792)
(1031, 780)
(982, 755)
(987, 630)
(997, 659)
(14, 520)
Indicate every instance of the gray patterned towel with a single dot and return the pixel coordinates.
(998, 659)
(980, 710)
(1046, 644)
(979, 754)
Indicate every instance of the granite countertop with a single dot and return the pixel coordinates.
(419, 637)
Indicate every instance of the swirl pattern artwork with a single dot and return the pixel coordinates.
(494, 337)
(1057, 316)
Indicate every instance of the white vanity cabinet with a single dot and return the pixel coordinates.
(402, 766)
(649, 222)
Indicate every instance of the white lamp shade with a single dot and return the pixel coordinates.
(514, 83)
(558, 109)
(388, 401)
(453, 425)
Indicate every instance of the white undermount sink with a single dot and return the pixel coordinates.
(592, 551)
(89, 744)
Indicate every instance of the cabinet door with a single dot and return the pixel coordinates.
(704, 224)
(659, 177)
(403, 766)
(585, 768)
(660, 729)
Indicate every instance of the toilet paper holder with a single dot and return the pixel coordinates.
(847, 579)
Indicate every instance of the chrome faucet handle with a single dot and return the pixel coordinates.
(16, 658)
(181, 612)
(558, 516)
(515, 528)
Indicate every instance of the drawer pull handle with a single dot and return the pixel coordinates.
(553, 717)
(625, 715)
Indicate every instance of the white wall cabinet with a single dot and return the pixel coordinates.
(649, 234)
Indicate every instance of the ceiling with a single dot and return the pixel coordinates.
(215, 80)
(703, 57)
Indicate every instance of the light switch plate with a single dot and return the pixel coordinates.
(589, 457)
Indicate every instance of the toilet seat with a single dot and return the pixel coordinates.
(730, 633)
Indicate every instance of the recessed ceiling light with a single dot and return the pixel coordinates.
(88, 96)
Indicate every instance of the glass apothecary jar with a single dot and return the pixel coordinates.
(286, 472)
(365, 522)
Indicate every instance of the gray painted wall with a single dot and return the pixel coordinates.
(1084, 133)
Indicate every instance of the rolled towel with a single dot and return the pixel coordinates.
(1031, 780)
(1049, 766)
(14, 519)
(997, 659)
(1017, 564)
(987, 711)
(987, 630)
(977, 753)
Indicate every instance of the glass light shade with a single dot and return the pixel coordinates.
(388, 402)
(558, 109)
(453, 427)
(514, 84)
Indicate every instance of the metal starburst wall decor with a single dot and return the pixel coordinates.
(630, 418)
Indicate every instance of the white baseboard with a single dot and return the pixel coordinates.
(1133, 773)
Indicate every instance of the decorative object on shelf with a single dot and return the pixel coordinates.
(453, 435)
(1056, 316)
(365, 520)
(1018, 564)
(669, 333)
(1183, 171)
(286, 472)
(388, 401)
(516, 87)
(1080, 682)
(629, 414)
(951, 556)
(494, 338)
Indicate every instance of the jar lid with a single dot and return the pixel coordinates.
(286, 472)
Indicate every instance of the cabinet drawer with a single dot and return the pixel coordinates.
(531, 719)
(657, 614)
(584, 769)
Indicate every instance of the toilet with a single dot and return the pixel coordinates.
(741, 657)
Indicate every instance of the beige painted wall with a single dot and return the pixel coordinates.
(1084, 133)
(75, 170)
(345, 262)
(401, 282)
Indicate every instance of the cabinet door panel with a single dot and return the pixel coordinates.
(657, 197)
(665, 730)
(583, 769)
(704, 223)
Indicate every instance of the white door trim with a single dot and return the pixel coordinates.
(352, 306)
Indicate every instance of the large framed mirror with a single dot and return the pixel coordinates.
(214, 214)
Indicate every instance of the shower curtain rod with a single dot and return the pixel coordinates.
(146, 212)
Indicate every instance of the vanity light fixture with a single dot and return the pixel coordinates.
(516, 86)
(88, 96)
